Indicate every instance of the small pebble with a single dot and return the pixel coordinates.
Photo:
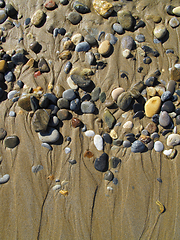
(67, 150)
(37, 18)
(116, 92)
(127, 42)
(176, 11)
(140, 38)
(158, 146)
(75, 122)
(115, 181)
(74, 18)
(75, 105)
(118, 28)
(104, 47)
(46, 145)
(36, 168)
(125, 19)
(90, 133)
(174, 22)
(108, 176)
(107, 138)
(11, 94)
(72, 161)
(147, 60)
(12, 114)
(128, 125)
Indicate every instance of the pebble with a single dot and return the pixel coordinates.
(63, 114)
(109, 119)
(20, 83)
(124, 100)
(118, 142)
(18, 59)
(11, 141)
(160, 31)
(36, 168)
(171, 153)
(168, 106)
(53, 121)
(82, 82)
(27, 21)
(87, 107)
(37, 18)
(46, 145)
(9, 76)
(116, 92)
(137, 146)
(12, 114)
(152, 106)
(177, 111)
(126, 144)
(75, 105)
(74, 18)
(150, 81)
(67, 150)
(151, 127)
(127, 42)
(3, 66)
(4, 179)
(50, 5)
(174, 22)
(107, 138)
(171, 86)
(166, 96)
(3, 16)
(118, 28)
(178, 120)
(108, 176)
(158, 146)
(114, 161)
(103, 8)
(51, 135)
(90, 57)
(128, 125)
(69, 94)
(169, 9)
(91, 40)
(95, 93)
(140, 38)
(71, 84)
(35, 46)
(84, 128)
(176, 11)
(177, 65)
(2, 4)
(125, 19)
(75, 122)
(43, 66)
(137, 107)
(104, 48)
(86, 97)
(164, 119)
(72, 161)
(51, 97)
(54, 109)
(98, 142)
(77, 38)
(173, 139)
(126, 53)
(3, 133)
(111, 38)
(40, 120)
(150, 145)
(80, 7)
(155, 135)
(159, 180)
(89, 133)
(151, 91)
(10, 10)
(102, 97)
(1, 92)
(11, 94)
(147, 60)
(156, 41)
(101, 35)
(101, 163)
(64, 2)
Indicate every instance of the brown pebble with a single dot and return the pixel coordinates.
(109, 103)
(144, 139)
(68, 45)
(65, 55)
(50, 177)
(104, 47)
(50, 5)
(151, 127)
(88, 154)
(175, 74)
(75, 122)
(150, 145)
(62, 114)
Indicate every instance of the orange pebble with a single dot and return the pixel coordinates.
(63, 192)
(88, 154)
(36, 74)
(50, 177)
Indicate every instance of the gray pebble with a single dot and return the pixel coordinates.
(9, 76)
(164, 119)
(145, 132)
(19, 59)
(3, 133)
(118, 28)
(90, 58)
(37, 168)
(80, 7)
(95, 93)
(11, 141)
(127, 42)
(11, 94)
(46, 145)
(3, 16)
(140, 38)
(63, 103)
(171, 86)
(156, 41)
(108, 176)
(51, 97)
(91, 40)
(126, 144)
(82, 47)
(147, 60)
(137, 146)
(87, 107)
(115, 181)
(72, 161)
(67, 67)
(111, 38)
(51, 135)
(54, 109)
(81, 81)
(155, 135)
(12, 114)
(74, 17)
(69, 94)
(158, 146)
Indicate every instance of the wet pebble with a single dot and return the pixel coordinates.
(137, 146)
(75, 122)
(125, 19)
(128, 125)
(91, 40)
(54, 121)
(116, 92)
(11, 141)
(3, 133)
(40, 120)
(108, 176)
(118, 28)
(166, 96)
(74, 18)
(127, 42)
(160, 31)
(11, 94)
(126, 144)
(109, 119)
(124, 100)
(90, 57)
(95, 93)
(37, 18)
(46, 145)
(103, 8)
(75, 105)
(101, 163)
(4, 179)
(87, 107)
(18, 59)
(80, 7)
(89, 133)
(51, 135)
(174, 22)
(140, 38)
(114, 161)
(98, 142)
(111, 38)
(12, 114)
(173, 139)
(137, 107)
(158, 146)
(168, 106)
(164, 119)
(150, 81)
(107, 138)
(176, 11)
(83, 82)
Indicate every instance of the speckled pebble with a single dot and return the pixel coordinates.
(127, 42)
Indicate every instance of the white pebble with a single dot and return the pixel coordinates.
(67, 150)
(37, 168)
(109, 188)
(177, 65)
(56, 187)
(90, 133)
(158, 146)
(126, 53)
(11, 94)
(4, 179)
(98, 142)
(167, 152)
(128, 124)
(173, 139)
(71, 84)
(175, 130)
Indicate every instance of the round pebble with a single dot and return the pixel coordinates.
(74, 18)
(160, 31)
(62, 114)
(166, 96)
(82, 47)
(75, 105)
(37, 18)
(127, 42)
(116, 92)
(128, 125)
(154, 135)
(89, 133)
(140, 38)
(9, 76)
(87, 107)
(54, 121)
(118, 28)
(150, 81)
(11, 94)
(108, 176)
(174, 22)
(51, 135)
(11, 141)
(164, 119)
(104, 47)
(158, 146)
(126, 144)
(125, 19)
(173, 139)
(98, 142)
(124, 100)
(111, 38)
(67, 150)
(168, 106)
(137, 146)
(147, 60)
(12, 114)
(80, 7)
(69, 94)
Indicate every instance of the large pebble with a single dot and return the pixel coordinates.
(19, 59)
(37, 18)
(87, 107)
(137, 146)
(116, 92)
(127, 42)
(173, 139)
(11, 141)
(124, 100)
(125, 19)
(81, 81)
(164, 119)
(160, 31)
(103, 8)
(168, 106)
(98, 142)
(74, 18)
(158, 146)
(40, 119)
(152, 106)
(118, 28)
(109, 118)
(3, 16)
(82, 47)
(101, 163)
(63, 103)
(104, 47)
(166, 96)
(176, 11)
(77, 38)
(69, 94)
(51, 135)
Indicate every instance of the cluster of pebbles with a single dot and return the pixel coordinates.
(146, 99)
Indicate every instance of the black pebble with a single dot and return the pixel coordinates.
(107, 138)
(61, 31)
(101, 163)
(72, 161)
(139, 70)
(155, 118)
(159, 180)
(137, 107)
(168, 106)
(20, 83)
(6, 57)
(174, 98)
(177, 111)
(139, 114)
(166, 132)
(147, 60)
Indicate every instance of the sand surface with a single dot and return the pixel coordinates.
(29, 208)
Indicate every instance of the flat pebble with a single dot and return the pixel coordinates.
(152, 106)
(36, 168)
(3, 133)
(173, 139)
(174, 22)
(87, 107)
(158, 146)
(107, 138)
(90, 58)
(109, 119)
(98, 142)
(46, 145)
(164, 119)
(4, 179)
(89, 133)
(104, 47)
(51, 135)
(147, 60)
(116, 92)
(150, 145)
(82, 82)
(126, 144)
(72, 161)
(140, 38)
(91, 40)
(177, 65)
(102, 97)
(74, 18)
(18, 59)
(69, 94)
(62, 114)
(11, 141)
(75, 122)
(82, 47)
(127, 42)
(11, 94)
(9, 76)
(12, 114)
(160, 31)
(128, 125)
(118, 28)
(67, 150)
(101, 163)
(137, 146)
(77, 38)
(168, 152)
(71, 84)
(125, 19)
(86, 97)
(37, 18)
(150, 81)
